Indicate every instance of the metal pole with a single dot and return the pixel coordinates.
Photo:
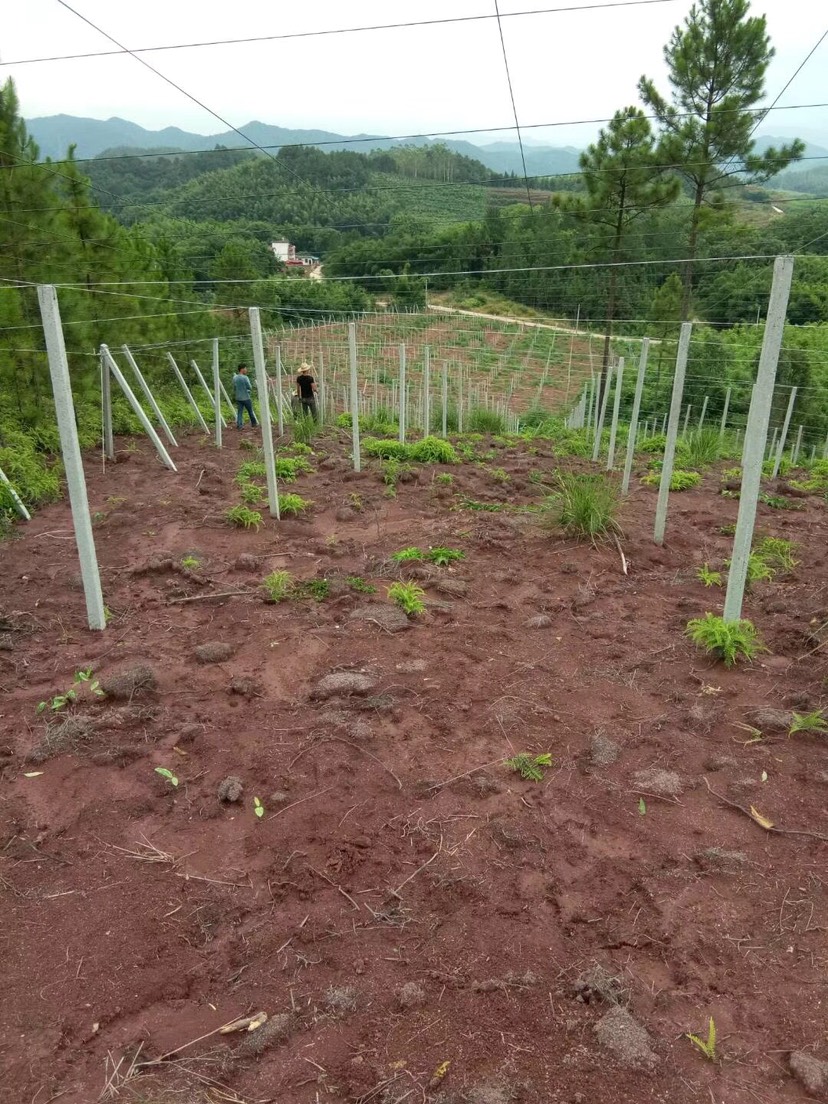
(142, 383)
(672, 433)
(724, 413)
(426, 391)
(106, 410)
(352, 360)
(445, 399)
(599, 429)
(264, 410)
(188, 393)
(780, 448)
(755, 436)
(403, 392)
(633, 430)
(15, 497)
(137, 409)
(616, 410)
(70, 449)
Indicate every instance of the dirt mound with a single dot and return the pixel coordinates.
(124, 685)
(388, 618)
(625, 1037)
(214, 651)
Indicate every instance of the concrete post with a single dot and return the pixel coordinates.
(264, 410)
(106, 410)
(616, 410)
(426, 391)
(704, 411)
(142, 383)
(403, 392)
(724, 414)
(70, 449)
(797, 447)
(280, 399)
(756, 435)
(783, 436)
(352, 361)
(187, 392)
(599, 429)
(672, 433)
(137, 409)
(207, 392)
(15, 497)
(445, 399)
(633, 430)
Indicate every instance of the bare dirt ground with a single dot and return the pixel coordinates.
(406, 901)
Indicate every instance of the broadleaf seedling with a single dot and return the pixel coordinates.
(168, 774)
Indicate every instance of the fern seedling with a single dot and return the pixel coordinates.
(408, 555)
(809, 722)
(729, 640)
(530, 767)
(708, 577)
(244, 518)
(706, 1046)
(442, 557)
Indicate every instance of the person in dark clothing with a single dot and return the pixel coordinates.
(243, 392)
(306, 391)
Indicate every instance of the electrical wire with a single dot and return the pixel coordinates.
(514, 105)
(332, 31)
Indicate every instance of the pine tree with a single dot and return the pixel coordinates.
(717, 63)
(624, 181)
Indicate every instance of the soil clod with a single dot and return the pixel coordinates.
(124, 685)
(230, 789)
(809, 1071)
(342, 684)
(625, 1037)
(214, 651)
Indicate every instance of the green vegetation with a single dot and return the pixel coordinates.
(432, 450)
(258, 808)
(706, 1046)
(279, 585)
(243, 518)
(481, 420)
(809, 722)
(81, 680)
(445, 479)
(385, 450)
(442, 557)
(251, 494)
(730, 641)
(702, 449)
(190, 563)
(292, 505)
(315, 589)
(530, 767)
(679, 481)
(778, 553)
(584, 507)
(168, 775)
(407, 555)
(408, 597)
(357, 583)
(708, 577)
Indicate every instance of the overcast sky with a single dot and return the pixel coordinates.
(565, 65)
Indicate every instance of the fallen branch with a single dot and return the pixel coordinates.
(206, 597)
(331, 882)
(428, 862)
(773, 828)
(293, 804)
(620, 553)
(356, 747)
(474, 770)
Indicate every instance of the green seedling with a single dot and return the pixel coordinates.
(499, 475)
(442, 557)
(279, 585)
(530, 767)
(317, 589)
(258, 808)
(487, 507)
(679, 481)
(356, 582)
(445, 479)
(584, 507)
(408, 555)
(777, 553)
(293, 504)
(706, 1046)
(355, 502)
(642, 807)
(251, 494)
(168, 774)
(408, 596)
(58, 702)
(728, 640)
(251, 469)
(244, 518)
(61, 701)
(809, 722)
(190, 563)
(708, 577)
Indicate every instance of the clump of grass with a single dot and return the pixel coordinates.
(758, 569)
(482, 420)
(251, 494)
(702, 449)
(679, 481)
(408, 596)
(445, 479)
(293, 505)
(778, 553)
(250, 469)
(442, 557)
(708, 577)
(279, 585)
(357, 583)
(243, 518)
(288, 467)
(585, 506)
(190, 562)
(433, 450)
(408, 555)
(315, 589)
(730, 641)
(530, 767)
(385, 450)
(656, 443)
(499, 475)
(304, 428)
(485, 507)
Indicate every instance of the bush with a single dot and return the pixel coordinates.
(482, 420)
(679, 481)
(702, 449)
(278, 585)
(293, 504)
(433, 450)
(385, 450)
(585, 506)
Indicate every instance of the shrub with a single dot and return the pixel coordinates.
(702, 449)
(385, 450)
(433, 450)
(679, 481)
(251, 469)
(304, 428)
(728, 640)
(244, 518)
(482, 420)
(708, 577)
(656, 443)
(585, 505)
(408, 555)
(444, 556)
(777, 553)
(408, 597)
(288, 467)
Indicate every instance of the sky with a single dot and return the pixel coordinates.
(565, 65)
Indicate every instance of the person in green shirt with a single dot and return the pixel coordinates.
(243, 392)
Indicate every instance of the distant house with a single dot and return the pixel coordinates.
(285, 253)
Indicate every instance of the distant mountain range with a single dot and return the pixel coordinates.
(92, 137)
(55, 133)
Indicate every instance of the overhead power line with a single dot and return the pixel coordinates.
(514, 105)
(330, 31)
